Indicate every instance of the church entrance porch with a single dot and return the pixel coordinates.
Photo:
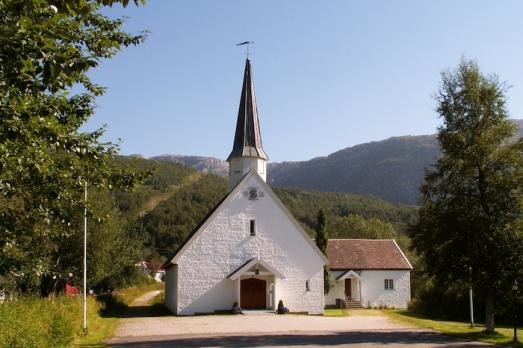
(256, 291)
(253, 293)
(255, 285)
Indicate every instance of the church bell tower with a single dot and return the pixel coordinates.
(247, 153)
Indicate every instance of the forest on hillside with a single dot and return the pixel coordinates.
(176, 198)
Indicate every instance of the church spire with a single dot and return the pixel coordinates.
(247, 141)
(247, 152)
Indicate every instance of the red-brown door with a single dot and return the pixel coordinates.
(252, 294)
(348, 288)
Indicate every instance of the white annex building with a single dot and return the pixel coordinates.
(250, 250)
(368, 273)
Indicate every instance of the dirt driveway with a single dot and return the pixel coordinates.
(269, 330)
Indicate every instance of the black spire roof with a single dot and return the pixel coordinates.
(247, 141)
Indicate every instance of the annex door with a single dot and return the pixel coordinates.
(252, 294)
(348, 288)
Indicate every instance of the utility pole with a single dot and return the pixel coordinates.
(471, 299)
(85, 260)
(515, 291)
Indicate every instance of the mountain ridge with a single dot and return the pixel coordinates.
(391, 169)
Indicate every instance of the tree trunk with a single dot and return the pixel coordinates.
(45, 286)
(490, 309)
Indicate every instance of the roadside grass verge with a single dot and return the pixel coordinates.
(33, 322)
(98, 326)
(503, 335)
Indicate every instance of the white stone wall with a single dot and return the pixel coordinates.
(171, 288)
(373, 291)
(336, 291)
(240, 166)
(225, 245)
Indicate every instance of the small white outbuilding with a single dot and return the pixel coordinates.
(368, 273)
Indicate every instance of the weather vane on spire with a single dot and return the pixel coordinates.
(248, 43)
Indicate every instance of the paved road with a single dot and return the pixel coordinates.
(411, 338)
(142, 331)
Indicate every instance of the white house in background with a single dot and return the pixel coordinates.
(249, 250)
(152, 269)
(368, 273)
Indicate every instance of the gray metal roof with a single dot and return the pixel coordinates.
(247, 141)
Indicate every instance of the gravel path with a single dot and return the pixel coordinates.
(234, 324)
(144, 299)
(270, 330)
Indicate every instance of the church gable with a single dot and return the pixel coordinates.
(252, 222)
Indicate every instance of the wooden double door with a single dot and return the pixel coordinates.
(253, 293)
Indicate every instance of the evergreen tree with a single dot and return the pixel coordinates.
(471, 211)
(322, 242)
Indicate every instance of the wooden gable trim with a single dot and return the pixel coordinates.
(349, 274)
(402, 254)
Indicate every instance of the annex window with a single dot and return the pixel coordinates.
(253, 227)
(307, 285)
(389, 284)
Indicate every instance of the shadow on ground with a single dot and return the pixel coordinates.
(139, 312)
(356, 339)
(114, 307)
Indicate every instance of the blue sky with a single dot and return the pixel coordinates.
(328, 74)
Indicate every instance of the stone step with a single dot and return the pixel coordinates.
(353, 304)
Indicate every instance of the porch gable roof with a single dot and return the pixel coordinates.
(348, 274)
(248, 264)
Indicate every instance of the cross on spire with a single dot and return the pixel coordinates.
(247, 45)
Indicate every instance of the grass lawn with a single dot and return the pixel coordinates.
(503, 335)
(342, 312)
(336, 312)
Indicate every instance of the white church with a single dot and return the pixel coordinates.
(250, 251)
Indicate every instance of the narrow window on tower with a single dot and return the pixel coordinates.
(307, 285)
(253, 227)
